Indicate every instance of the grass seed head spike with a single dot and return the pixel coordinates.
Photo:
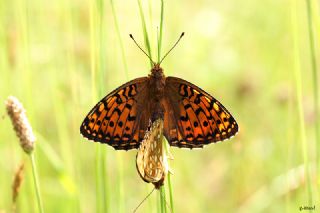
(20, 124)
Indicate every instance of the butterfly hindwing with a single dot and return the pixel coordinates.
(119, 119)
(199, 118)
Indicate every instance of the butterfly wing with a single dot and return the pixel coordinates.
(198, 118)
(120, 119)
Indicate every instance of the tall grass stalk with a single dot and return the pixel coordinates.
(68, 65)
(316, 17)
(93, 51)
(101, 47)
(68, 175)
(290, 136)
(36, 182)
(315, 80)
(167, 147)
(124, 61)
(150, 16)
(163, 199)
(170, 193)
(145, 36)
(160, 33)
(298, 85)
(159, 58)
(101, 76)
(145, 32)
(123, 55)
(147, 44)
(101, 204)
(23, 16)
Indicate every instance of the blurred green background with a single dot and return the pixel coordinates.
(61, 57)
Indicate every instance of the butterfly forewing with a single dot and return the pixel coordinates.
(120, 118)
(198, 117)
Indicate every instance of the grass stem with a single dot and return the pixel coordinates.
(93, 51)
(36, 182)
(101, 204)
(170, 193)
(161, 27)
(298, 85)
(102, 164)
(315, 81)
(124, 61)
(159, 58)
(167, 147)
(145, 32)
(163, 200)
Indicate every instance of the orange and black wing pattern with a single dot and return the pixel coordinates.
(120, 118)
(198, 117)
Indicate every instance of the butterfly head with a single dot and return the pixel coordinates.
(156, 69)
(157, 73)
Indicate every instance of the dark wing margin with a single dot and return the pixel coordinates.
(199, 118)
(119, 119)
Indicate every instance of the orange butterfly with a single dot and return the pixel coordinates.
(191, 117)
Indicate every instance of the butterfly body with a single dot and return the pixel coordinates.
(156, 82)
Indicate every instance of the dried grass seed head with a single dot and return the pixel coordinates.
(20, 123)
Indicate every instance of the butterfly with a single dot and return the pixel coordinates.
(190, 117)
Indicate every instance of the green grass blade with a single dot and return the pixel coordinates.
(163, 199)
(167, 148)
(298, 85)
(124, 61)
(36, 182)
(160, 33)
(93, 51)
(101, 76)
(101, 204)
(145, 32)
(170, 193)
(315, 79)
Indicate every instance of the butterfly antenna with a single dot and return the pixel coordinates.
(131, 36)
(135, 210)
(175, 44)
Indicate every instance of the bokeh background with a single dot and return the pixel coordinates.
(61, 57)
